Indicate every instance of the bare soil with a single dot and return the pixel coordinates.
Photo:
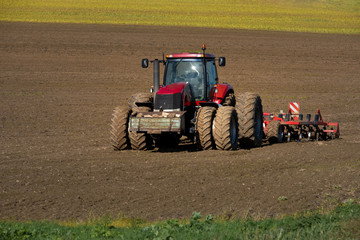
(60, 82)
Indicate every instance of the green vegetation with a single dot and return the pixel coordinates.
(341, 223)
(323, 16)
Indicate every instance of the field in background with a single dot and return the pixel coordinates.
(60, 82)
(322, 16)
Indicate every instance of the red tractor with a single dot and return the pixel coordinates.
(191, 102)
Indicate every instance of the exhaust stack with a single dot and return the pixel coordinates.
(156, 76)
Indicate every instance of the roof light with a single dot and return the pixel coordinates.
(203, 47)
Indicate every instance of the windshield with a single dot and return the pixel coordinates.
(191, 71)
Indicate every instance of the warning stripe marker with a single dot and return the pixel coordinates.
(294, 107)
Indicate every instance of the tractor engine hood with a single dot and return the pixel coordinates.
(172, 88)
(173, 97)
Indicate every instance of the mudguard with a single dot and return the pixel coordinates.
(219, 92)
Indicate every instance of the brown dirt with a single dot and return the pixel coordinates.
(60, 82)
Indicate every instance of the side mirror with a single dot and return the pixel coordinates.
(145, 63)
(222, 61)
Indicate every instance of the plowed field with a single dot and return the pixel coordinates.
(60, 82)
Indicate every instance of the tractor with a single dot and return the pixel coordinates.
(190, 102)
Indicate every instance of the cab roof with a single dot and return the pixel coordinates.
(190, 55)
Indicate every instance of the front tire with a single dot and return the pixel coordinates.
(140, 141)
(119, 128)
(204, 122)
(225, 128)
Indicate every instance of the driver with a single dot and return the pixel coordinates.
(195, 79)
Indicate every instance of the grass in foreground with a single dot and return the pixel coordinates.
(323, 16)
(341, 223)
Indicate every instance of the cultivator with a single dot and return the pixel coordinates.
(292, 126)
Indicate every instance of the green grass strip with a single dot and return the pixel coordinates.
(342, 223)
(320, 16)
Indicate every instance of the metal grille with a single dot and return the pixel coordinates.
(168, 102)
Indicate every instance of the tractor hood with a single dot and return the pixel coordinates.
(173, 97)
(172, 88)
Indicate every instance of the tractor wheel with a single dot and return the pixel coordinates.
(250, 119)
(119, 128)
(225, 128)
(140, 141)
(275, 132)
(140, 97)
(229, 100)
(204, 122)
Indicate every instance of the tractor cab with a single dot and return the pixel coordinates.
(189, 79)
(197, 70)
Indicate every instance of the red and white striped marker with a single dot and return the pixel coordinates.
(294, 107)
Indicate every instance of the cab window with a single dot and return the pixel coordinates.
(211, 75)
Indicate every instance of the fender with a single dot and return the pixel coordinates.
(209, 104)
(219, 92)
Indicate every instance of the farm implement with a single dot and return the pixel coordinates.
(293, 126)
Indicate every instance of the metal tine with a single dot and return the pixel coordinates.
(288, 136)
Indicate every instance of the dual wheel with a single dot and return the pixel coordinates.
(228, 127)
(120, 137)
(217, 128)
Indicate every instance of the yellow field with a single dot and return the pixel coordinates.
(324, 16)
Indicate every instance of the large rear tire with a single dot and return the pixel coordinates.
(250, 119)
(119, 128)
(275, 132)
(204, 122)
(140, 97)
(225, 128)
(229, 100)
